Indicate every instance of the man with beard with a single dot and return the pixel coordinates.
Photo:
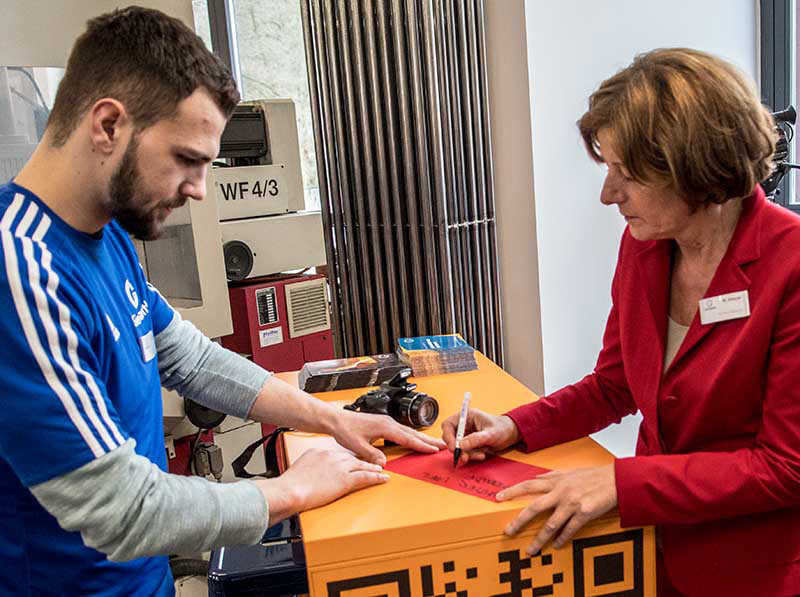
(87, 506)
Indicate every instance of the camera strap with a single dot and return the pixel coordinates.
(357, 404)
(270, 456)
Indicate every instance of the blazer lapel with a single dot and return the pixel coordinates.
(729, 277)
(654, 264)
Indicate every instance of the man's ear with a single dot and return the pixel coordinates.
(108, 118)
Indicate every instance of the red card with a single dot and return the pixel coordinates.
(481, 479)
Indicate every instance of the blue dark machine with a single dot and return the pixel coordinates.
(276, 567)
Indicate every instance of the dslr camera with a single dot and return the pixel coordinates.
(398, 399)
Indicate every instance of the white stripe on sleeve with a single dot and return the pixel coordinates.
(29, 329)
(35, 281)
(42, 228)
(25, 222)
(72, 346)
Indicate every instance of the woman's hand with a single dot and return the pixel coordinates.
(576, 497)
(484, 434)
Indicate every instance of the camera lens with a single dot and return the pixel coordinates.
(417, 410)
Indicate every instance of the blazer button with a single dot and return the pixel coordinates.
(670, 398)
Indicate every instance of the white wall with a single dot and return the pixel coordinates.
(41, 32)
(572, 46)
(512, 158)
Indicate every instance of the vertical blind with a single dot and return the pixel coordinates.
(401, 121)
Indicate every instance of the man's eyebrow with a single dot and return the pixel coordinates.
(193, 154)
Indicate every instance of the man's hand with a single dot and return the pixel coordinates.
(484, 434)
(283, 404)
(356, 431)
(576, 497)
(315, 479)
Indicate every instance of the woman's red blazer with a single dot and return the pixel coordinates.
(717, 463)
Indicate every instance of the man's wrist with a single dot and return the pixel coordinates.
(282, 499)
(331, 418)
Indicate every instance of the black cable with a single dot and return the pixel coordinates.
(193, 451)
(790, 133)
(783, 126)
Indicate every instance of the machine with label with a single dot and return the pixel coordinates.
(259, 231)
(283, 323)
(280, 322)
(259, 194)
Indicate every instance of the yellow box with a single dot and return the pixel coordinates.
(409, 538)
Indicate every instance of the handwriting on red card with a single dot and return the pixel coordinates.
(481, 479)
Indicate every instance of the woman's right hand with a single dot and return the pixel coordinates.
(484, 434)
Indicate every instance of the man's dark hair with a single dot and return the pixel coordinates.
(145, 59)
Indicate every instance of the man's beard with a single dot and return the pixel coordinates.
(135, 211)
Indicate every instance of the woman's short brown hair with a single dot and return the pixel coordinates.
(683, 118)
(145, 59)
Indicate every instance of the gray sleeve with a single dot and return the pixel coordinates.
(204, 371)
(126, 507)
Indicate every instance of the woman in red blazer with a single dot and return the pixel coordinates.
(703, 338)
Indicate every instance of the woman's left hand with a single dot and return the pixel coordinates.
(575, 495)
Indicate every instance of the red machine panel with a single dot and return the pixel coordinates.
(282, 322)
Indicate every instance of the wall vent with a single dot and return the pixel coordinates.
(307, 306)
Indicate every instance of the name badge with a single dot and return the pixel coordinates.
(733, 305)
(148, 345)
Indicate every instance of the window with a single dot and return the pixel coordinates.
(201, 25)
(26, 97)
(779, 79)
(268, 39)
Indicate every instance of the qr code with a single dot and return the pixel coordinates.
(611, 565)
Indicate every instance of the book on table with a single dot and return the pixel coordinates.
(433, 355)
(354, 372)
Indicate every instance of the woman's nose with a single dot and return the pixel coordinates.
(610, 193)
